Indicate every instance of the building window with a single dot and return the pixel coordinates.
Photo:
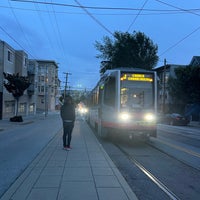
(25, 62)
(42, 88)
(9, 107)
(31, 108)
(10, 56)
(41, 78)
(22, 107)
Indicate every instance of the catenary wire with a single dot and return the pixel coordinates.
(10, 36)
(98, 8)
(152, 11)
(139, 12)
(178, 8)
(18, 23)
(96, 20)
(181, 40)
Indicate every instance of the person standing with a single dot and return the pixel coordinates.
(67, 113)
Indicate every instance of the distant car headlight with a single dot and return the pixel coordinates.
(124, 116)
(149, 117)
(83, 110)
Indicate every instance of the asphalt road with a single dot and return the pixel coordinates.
(20, 144)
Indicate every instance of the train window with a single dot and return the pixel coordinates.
(137, 94)
(110, 92)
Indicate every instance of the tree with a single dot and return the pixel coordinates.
(127, 50)
(16, 85)
(184, 88)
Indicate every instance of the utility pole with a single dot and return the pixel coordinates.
(164, 85)
(66, 81)
(46, 92)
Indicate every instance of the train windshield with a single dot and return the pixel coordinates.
(137, 91)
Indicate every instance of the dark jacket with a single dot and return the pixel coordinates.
(67, 112)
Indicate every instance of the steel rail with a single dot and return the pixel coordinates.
(163, 187)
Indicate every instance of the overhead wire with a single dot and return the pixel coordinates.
(97, 7)
(56, 36)
(181, 40)
(152, 11)
(21, 29)
(77, 6)
(59, 34)
(176, 11)
(12, 38)
(18, 23)
(95, 19)
(185, 37)
(44, 28)
(178, 8)
(140, 10)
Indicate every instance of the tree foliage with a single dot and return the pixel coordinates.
(127, 50)
(185, 87)
(16, 84)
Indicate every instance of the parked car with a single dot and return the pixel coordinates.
(175, 119)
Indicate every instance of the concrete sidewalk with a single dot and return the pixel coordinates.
(85, 172)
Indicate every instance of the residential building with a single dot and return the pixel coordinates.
(195, 61)
(164, 99)
(48, 85)
(32, 90)
(7, 65)
(43, 93)
(14, 62)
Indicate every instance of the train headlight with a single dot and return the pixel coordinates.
(149, 117)
(124, 116)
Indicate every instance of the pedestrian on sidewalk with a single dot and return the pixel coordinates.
(67, 113)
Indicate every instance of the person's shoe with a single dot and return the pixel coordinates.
(65, 148)
(69, 148)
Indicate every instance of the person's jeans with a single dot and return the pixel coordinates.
(67, 133)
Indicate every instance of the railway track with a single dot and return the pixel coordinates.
(174, 179)
(153, 173)
(155, 180)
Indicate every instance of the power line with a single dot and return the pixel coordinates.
(156, 11)
(25, 36)
(177, 43)
(10, 36)
(137, 15)
(44, 28)
(101, 8)
(97, 21)
(55, 30)
(181, 9)
(188, 35)
(59, 33)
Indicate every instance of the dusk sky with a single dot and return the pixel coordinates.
(66, 30)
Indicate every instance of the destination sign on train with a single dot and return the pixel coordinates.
(137, 77)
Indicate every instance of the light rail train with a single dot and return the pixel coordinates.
(124, 102)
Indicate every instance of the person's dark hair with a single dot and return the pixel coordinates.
(68, 99)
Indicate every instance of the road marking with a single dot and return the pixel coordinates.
(193, 153)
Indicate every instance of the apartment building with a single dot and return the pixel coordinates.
(7, 64)
(13, 62)
(48, 85)
(43, 93)
(164, 72)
